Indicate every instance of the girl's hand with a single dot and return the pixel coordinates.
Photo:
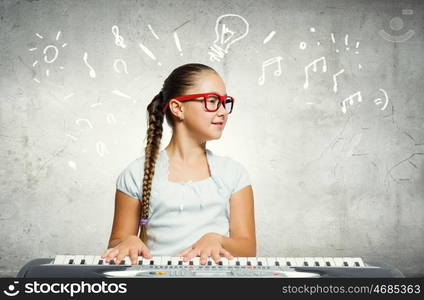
(131, 246)
(209, 244)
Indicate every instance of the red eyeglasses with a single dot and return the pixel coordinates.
(211, 101)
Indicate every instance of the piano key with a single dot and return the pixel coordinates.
(232, 262)
(242, 260)
(196, 261)
(253, 261)
(69, 259)
(329, 262)
(290, 261)
(224, 261)
(299, 261)
(261, 261)
(320, 261)
(310, 261)
(59, 259)
(96, 260)
(157, 260)
(270, 262)
(358, 262)
(77, 259)
(89, 259)
(174, 261)
(281, 261)
(338, 261)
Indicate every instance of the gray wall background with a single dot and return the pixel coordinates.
(326, 183)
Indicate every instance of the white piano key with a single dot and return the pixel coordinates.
(253, 261)
(59, 259)
(359, 261)
(196, 261)
(330, 261)
(270, 262)
(68, 258)
(96, 259)
(300, 261)
(224, 261)
(262, 260)
(338, 261)
(175, 261)
(157, 260)
(232, 262)
(310, 261)
(320, 261)
(290, 261)
(164, 260)
(242, 261)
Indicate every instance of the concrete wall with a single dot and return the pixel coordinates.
(332, 175)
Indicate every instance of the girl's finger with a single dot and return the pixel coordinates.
(191, 254)
(133, 256)
(226, 253)
(204, 257)
(146, 252)
(112, 253)
(215, 256)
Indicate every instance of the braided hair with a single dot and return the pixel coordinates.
(174, 85)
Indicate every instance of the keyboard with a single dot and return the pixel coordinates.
(92, 266)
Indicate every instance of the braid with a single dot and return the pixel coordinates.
(154, 136)
(174, 85)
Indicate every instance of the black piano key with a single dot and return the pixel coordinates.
(180, 262)
(259, 263)
(277, 263)
(317, 264)
(140, 262)
(305, 263)
(345, 264)
(152, 262)
(237, 263)
(249, 263)
(209, 263)
(169, 262)
(328, 264)
(190, 263)
(122, 262)
(356, 264)
(71, 261)
(288, 264)
(83, 261)
(100, 262)
(112, 262)
(220, 263)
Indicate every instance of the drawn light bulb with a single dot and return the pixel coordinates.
(229, 29)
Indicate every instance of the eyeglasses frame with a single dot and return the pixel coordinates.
(204, 95)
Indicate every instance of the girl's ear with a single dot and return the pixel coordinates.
(176, 108)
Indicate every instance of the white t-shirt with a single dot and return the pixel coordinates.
(180, 213)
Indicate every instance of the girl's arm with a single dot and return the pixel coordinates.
(126, 218)
(242, 240)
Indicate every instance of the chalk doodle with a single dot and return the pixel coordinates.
(177, 43)
(51, 53)
(111, 118)
(101, 149)
(268, 62)
(229, 29)
(396, 24)
(121, 94)
(357, 95)
(302, 45)
(269, 37)
(314, 68)
(378, 101)
(121, 62)
(152, 31)
(86, 121)
(92, 71)
(119, 40)
(335, 80)
(148, 52)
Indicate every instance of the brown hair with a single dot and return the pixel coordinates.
(174, 85)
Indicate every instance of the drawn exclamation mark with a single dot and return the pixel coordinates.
(177, 43)
(149, 53)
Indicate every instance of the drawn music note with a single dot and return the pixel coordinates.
(378, 101)
(314, 65)
(92, 72)
(268, 62)
(119, 40)
(350, 99)
(335, 79)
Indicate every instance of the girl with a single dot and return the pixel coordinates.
(188, 191)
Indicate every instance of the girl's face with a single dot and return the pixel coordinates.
(197, 119)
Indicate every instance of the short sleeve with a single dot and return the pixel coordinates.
(129, 180)
(242, 177)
